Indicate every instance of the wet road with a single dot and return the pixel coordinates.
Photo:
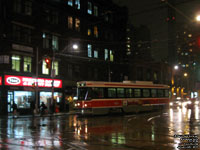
(144, 131)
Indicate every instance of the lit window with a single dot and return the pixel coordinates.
(106, 54)
(54, 42)
(89, 50)
(70, 2)
(77, 4)
(89, 32)
(111, 55)
(77, 24)
(95, 11)
(16, 62)
(45, 70)
(55, 67)
(89, 8)
(70, 22)
(27, 64)
(95, 54)
(46, 40)
(96, 31)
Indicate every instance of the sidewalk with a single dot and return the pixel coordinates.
(10, 116)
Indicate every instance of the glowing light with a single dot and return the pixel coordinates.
(75, 46)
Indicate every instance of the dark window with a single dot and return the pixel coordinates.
(160, 93)
(137, 93)
(153, 93)
(146, 93)
(21, 33)
(111, 92)
(129, 93)
(120, 92)
(97, 92)
(166, 93)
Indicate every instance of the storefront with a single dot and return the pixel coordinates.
(22, 91)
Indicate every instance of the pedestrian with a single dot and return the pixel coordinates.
(43, 108)
(14, 106)
(32, 107)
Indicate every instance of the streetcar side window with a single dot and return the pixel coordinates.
(166, 93)
(146, 93)
(160, 93)
(137, 93)
(84, 93)
(97, 92)
(128, 93)
(153, 93)
(120, 92)
(112, 92)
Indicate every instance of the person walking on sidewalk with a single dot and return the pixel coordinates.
(14, 106)
(43, 108)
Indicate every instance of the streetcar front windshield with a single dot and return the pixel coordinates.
(84, 93)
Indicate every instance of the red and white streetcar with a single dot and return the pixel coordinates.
(98, 98)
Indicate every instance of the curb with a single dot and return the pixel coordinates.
(38, 115)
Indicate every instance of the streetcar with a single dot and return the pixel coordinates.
(100, 98)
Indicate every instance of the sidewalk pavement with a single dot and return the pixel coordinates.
(10, 116)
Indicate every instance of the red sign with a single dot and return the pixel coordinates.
(29, 81)
(0, 80)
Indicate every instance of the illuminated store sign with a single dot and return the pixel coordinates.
(29, 81)
(0, 80)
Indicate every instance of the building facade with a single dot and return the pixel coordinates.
(83, 40)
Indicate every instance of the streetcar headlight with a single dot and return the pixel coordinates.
(171, 104)
(85, 105)
(78, 104)
(75, 105)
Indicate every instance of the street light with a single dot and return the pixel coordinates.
(198, 18)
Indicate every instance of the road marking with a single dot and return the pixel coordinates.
(153, 118)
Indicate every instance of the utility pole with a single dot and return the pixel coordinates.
(52, 77)
(36, 90)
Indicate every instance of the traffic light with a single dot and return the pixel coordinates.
(48, 62)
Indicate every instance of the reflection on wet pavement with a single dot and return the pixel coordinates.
(144, 131)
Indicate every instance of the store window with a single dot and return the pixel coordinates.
(16, 62)
(46, 97)
(27, 64)
(45, 70)
(23, 99)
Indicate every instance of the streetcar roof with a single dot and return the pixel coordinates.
(131, 84)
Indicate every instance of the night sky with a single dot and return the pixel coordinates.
(153, 13)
